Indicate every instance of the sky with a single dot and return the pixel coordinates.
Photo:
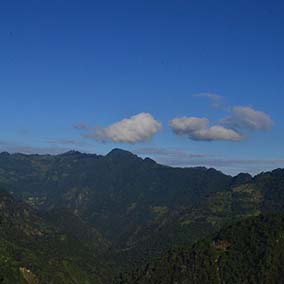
(187, 83)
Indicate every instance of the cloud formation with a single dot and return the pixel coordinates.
(240, 121)
(198, 129)
(238, 124)
(138, 128)
(246, 118)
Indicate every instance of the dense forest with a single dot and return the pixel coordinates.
(249, 251)
(85, 218)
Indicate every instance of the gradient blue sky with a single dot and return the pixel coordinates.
(98, 62)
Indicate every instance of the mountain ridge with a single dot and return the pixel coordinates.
(130, 210)
(117, 153)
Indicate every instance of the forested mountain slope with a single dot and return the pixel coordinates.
(249, 251)
(123, 196)
(33, 251)
(123, 210)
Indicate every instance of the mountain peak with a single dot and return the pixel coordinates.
(71, 153)
(5, 153)
(241, 178)
(120, 153)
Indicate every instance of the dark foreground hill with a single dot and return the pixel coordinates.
(33, 251)
(250, 251)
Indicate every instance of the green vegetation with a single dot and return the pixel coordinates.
(33, 251)
(250, 251)
(81, 218)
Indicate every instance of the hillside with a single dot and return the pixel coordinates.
(34, 251)
(126, 198)
(250, 251)
(120, 210)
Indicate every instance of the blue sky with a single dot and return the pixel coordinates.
(94, 63)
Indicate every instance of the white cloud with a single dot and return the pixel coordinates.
(218, 132)
(186, 125)
(246, 118)
(137, 128)
(198, 129)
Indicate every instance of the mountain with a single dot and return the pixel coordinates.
(250, 251)
(120, 210)
(126, 198)
(34, 251)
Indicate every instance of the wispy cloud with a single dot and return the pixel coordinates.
(216, 100)
(247, 118)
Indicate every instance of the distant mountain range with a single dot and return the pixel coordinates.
(84, 218)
